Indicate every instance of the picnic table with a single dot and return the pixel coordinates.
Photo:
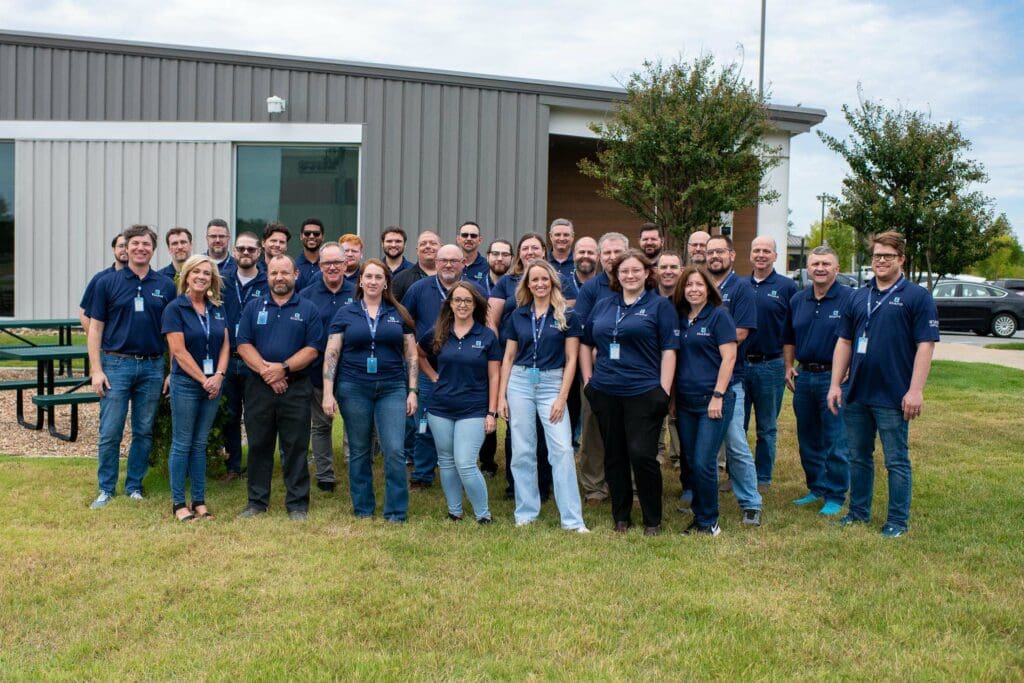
(46, 398)
(62, 325)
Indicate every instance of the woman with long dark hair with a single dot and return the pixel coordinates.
(371, 362)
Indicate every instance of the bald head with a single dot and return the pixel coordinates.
(450, 262)
(763, 255)
(696, 247)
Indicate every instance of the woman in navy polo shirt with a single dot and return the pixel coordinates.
(197, 337)
(463, 406)
(635, 334)
(536, 376)
(371, 363)
(707, 354)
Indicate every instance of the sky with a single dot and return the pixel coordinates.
(958, 61)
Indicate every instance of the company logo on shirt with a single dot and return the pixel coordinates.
(774, 294)
(156, 292)
(703, 332)
(217, 315)
(642, 313)
(478, 344)
(933, 323)
(255, 294)
(393, 319)
(297, 316)
(676, 332)
(726, 297)
(835, 315)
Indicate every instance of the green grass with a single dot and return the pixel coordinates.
(1007, 346)
(127, 593)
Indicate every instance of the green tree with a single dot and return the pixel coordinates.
(686, 146)
(841, 237)
(911, 175)
(1006, 256)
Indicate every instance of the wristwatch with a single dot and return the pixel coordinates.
(717, 394)
(492, 413)
(284, 366)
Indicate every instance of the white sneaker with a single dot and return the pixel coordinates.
(136, 495)
(525, 522)
(581, 530)
(101, 501)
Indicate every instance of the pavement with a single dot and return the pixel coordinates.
(971, 353)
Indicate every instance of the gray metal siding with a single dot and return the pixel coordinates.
(72, 197)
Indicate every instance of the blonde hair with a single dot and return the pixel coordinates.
(213, 293)
(524, 297)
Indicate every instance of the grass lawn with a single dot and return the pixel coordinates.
(126, 593)
(1007, 346)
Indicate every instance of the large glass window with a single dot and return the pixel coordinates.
(289, 184)
(6, 228)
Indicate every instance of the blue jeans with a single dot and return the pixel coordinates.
(234, 389)
(138, 382)
(192, 415)
(821, 437)
(738, 458)
(458, 446)
(699, 440)
(365, 405)
(527, 402)
(862, 422)
(424, 453)
(764, 387)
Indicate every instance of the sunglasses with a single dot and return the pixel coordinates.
(469, 235)
(311, 233)
(247, 250)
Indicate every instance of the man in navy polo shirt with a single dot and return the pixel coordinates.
(889, 329)
(423, 301)
(352, 251)
(697, 247)
(560, 236)
(275, 243)
(242, 284)
(218, 239)
(126, 356)
(810, 338)
(117, 245)
(427, 244)
(279, 338)
(329, 292)
(765, 382)
(652, 240)
(737, 296)
(592, 482)
(584, 256)
(392, 247)
(179, 246)
(476, 268)
(308, 262)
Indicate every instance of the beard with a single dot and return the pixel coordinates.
(586, 265)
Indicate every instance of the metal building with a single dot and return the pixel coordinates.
(96, 135)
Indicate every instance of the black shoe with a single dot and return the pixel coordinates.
(622, 527)
(752, 517)
(454, 518)
(484, 520)
(251, 511)
(326, 486)
(695, 528)
(652, 530)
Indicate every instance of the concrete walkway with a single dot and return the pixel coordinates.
(976, 354)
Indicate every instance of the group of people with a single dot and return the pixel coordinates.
(566, 339)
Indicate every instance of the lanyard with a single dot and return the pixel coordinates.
(372, 324)
(440, 289)
(878, 304)
(204, 322)
(620, 315)
(726, 281)
(537, 327)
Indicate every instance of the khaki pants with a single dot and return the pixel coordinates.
(591, 458)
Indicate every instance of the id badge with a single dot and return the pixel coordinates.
(140, 304)
(261, 319)
(208, 366)
(862, 344)
(613, 351)
(533, 375)
(423, 425)
(236, 329)
(371, 366)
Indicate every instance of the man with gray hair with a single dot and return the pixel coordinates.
(560, 237)
(595, 490)
(810, 339)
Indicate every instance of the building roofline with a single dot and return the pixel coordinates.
(793, 119)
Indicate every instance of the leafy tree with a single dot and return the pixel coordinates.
(911, 175)
(1006, 257)
(686, 146)
(841, 237)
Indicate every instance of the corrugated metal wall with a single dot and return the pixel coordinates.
(72, 197)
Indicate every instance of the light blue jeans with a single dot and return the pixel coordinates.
(526, 401)
(739, 459)
(192, 415)
(862, 423)
(458, 447)
(138, 382)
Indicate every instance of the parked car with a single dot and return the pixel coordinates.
(980, 308)
(1014, 285)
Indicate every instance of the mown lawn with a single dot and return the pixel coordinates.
(126, 593)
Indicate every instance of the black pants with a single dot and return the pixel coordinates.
(282, 418)
(487, 452)
(630, 428)
(575, 407)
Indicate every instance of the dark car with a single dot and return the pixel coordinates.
(980, 308)
(1014, 285)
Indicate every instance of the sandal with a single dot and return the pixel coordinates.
(187, 517)
(204, 513)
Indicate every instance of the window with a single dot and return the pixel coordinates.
(944, 291)
(6, 228)
(289, 184)
(974, 291)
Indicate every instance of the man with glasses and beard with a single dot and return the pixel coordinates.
(218, 239)
(477, 267)
(696, 248)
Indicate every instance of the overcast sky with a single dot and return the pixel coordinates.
(960, 61)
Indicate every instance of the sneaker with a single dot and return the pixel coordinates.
(850, 520)
(695, 528)
(752, 517)
(136, 495)
(808, 499)
(890, 531)
(580, 530)
(830, 508)
(101, 501)
(298, 515)
(326, 486)
(251, 511)
(484, 520)
(525, 522)
(455, 518)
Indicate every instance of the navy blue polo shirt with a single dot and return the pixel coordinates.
(388, 343)
(286, 329)
(699, 355)
(593, 290)
(308, 270)
(772, 296)
(327, 304)
(814, 325)
(406, 264)
(169, 271)
(126, 330)
(567, 271)
(505, 289)
(646, 328)
(180, 316)
(226, 267)
(738, 296)
(236, 296)
(423, 300)
(550, 347)
(903, 316)
(91, 287)
(477, 271)
(462, 389)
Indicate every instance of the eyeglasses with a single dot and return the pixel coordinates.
(311, 233)
(449, 261)
(332, 264)
(247, 250)
(885, 258)
(697, 245)
(500, 254)
(460, 301)
(717, 252)
(469, 235)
